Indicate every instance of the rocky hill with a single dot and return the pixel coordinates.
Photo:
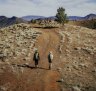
(4, 21)
(77, 18)
(90, 17)
(87, 17)
(74, 64)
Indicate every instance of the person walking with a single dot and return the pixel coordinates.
(36, 58)
(50, 58)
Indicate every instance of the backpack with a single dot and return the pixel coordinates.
(36, 56)
(50, 57)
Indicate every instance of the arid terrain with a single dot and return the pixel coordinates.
(74, 64)
(85, 23)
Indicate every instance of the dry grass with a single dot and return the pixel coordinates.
(74, 64)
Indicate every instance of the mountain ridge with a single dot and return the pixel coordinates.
(88, 17)
(5, 21)
(30, 17)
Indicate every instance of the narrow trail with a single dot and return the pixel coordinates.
(47, 78)
(40, 79)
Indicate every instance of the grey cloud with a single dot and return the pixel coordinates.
(47, 7)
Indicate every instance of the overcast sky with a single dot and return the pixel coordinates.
(46, 7)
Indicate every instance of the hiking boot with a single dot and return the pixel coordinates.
(50, 66)
(36, 66)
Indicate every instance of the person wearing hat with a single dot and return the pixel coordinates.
(36, 58)
(50, 58)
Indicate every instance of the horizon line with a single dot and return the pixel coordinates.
(43, 16)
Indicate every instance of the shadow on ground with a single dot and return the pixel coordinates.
(28, 66)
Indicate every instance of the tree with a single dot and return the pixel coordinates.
(61, 17)
(33, 21)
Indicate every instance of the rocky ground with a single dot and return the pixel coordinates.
(78, 56)
(74, 64)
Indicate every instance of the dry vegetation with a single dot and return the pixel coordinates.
(78, 58)
(85, 23)
(74, 64)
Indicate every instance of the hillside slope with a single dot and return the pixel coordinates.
(74, 64)
(5, 22)
(31, 17)
(85, 23)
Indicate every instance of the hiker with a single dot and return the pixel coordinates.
(36, 58)
(50, 58)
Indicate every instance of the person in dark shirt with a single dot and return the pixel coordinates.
(36, 58)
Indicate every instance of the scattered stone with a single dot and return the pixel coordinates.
(2, 88)
(5, 87)
(77, 48)
(61, 80)
(94, 70)
(76, 88)
(59, 69)
(60, 48)
(83, 65)
(62, 89)
(2, 57)
(22, 69)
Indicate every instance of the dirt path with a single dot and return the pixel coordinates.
(47, 79)
(30, 78)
